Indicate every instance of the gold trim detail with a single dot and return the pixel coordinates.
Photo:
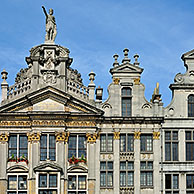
(156, 135)
(77, 107)
(137, 135)
(116, 81)
(4, 137)
(81, 124)
(15, 123)
(137, 81)
(62, 137)
(116, 135)
(92, 137)
(33, 137)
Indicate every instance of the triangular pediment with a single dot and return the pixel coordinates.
(189, 54)
(47, 166)
(126, 68)
(50, 99)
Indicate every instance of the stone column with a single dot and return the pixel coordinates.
(116, 168)
(91, 162)
(4, 86)
(137, 162)
(34, 158)
(157, 160)
(3, 161)
(61, 154)
(91, 86)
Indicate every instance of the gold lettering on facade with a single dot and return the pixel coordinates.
(33, 137)
(137, 135)
(116, 81)
(116, 135)
(62, 137)
(4, 137)
(156, 135)
(77, 107)
(91, 137)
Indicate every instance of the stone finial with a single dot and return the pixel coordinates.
(136, 56)
(92, 77)
(91, 85)
(116, 63)
(126, 58)
(4, 74)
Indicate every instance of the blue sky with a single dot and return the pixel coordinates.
(160, 31)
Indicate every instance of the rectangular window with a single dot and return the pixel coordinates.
(47, 183)
(126, 174)
(77, 146)
(17, 184)
(77, 184)
(126, 143)
(126, 101)
(189, 139)
(106, 174)
(146, 174)
(146, 143)
(106, 143)
(171, 145)
(18, 146)
(172, 183)
(47, 147)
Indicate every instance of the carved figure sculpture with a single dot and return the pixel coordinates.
(51, 28)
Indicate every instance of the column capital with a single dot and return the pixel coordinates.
(156, 135)
(117, 135)
(62, 136)
(92, 137)
(34, 137)
(137, 134)
(4, 138)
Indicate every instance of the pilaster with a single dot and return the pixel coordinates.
(116, 168)
(137, 158)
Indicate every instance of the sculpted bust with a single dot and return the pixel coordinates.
(51, 28)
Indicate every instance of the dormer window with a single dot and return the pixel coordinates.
(191, 106)
(126, 99)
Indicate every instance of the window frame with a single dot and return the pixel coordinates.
(107, 135)
(172, 189)
(47, 148)
(189, 142)
(18, 148)
(77, 189)
(127, 171)
(146, 144)
(17, 175)
(127, 142)
(107, 171)
(172, 141)
(126, 97)
(190, 105)
(146, 171)
(77, 149)
(48, 187)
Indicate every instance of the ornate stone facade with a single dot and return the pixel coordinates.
(56, 137)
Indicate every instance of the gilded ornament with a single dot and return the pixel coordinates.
(33, 137)
(91, 137)
(116, 81)
(137, 135)
(116, 135)
(62, 137)
(156, 135)
(4, 137)
(137, 81)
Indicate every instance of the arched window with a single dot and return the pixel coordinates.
(191, 106)
(126, 102)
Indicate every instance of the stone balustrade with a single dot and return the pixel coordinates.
(18, 89)
(78, 90)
